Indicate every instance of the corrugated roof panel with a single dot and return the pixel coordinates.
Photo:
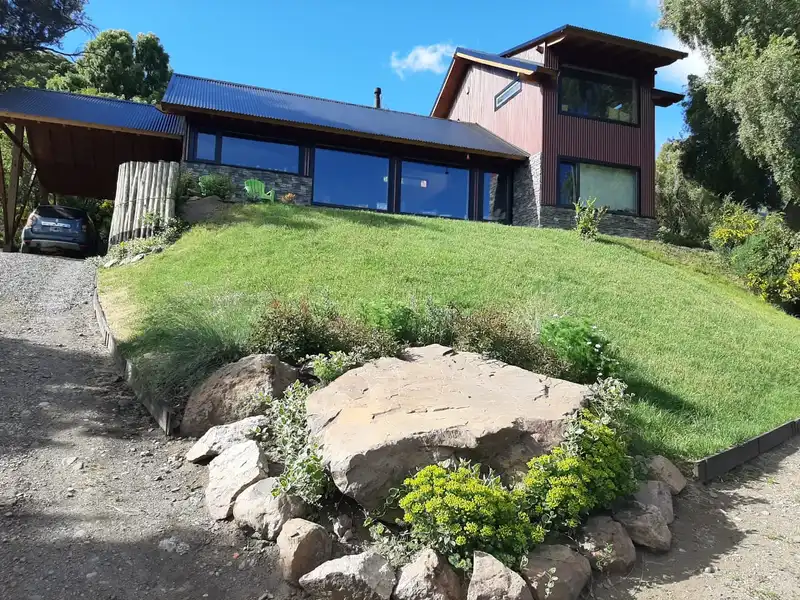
(236, 99)
(514, 63)
(91, 110)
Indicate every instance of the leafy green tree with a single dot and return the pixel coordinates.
(38, 25)
(114, 64)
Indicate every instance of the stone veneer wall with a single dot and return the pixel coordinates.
(612, 224)
(527, 190)
(282, 183)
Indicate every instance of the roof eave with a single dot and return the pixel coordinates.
(186, 109)
(664, 98)
(16, 116)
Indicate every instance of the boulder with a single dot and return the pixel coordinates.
(380, 422)
(492, 580)
(227, 395)
(366, 576)
(303, 546)
(646, 526)
(198, 209)
(607, 546)
(218, 439)
(232, 472)
(428, 577)
(662, 469)
(658, 494)
(556, 572)
(259, 509)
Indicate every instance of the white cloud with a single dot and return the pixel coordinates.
(433, 58)
(677, 73)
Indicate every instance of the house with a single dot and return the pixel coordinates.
(514, 137)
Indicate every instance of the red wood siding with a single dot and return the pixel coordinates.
(519, 121)
(600, 141)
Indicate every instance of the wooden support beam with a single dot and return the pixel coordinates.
(10, 212)
(18, 141)
(27, 197)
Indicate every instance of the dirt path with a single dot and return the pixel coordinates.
(89, 490)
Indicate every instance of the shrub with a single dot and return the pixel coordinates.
(188, 186)
(764, 259)
(397, 319)
(288, 441)
(582, 347)
(791, 288)
(295, 330)
(588, 218)
(456, 511)
(493, 334)
(735, 224)
(589, 472)
(216, 185)
(328, 367)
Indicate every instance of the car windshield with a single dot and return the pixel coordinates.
(60, 212)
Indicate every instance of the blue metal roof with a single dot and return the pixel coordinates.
(65, 107)
(513, 63)
(189, 92)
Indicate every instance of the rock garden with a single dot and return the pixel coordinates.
(428, 452)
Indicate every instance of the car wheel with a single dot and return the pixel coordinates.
(27, 249)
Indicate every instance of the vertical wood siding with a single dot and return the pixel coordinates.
(519, 121)
(623, 145)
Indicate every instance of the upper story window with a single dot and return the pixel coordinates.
(598, 96)
(246, 152)
(507, 93)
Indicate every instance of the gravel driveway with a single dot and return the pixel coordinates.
(94, 502)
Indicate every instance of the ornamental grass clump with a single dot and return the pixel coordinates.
(455, 510)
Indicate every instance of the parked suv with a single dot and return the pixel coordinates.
(59, 228)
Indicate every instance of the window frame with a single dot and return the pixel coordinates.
(390, 192)
(219, 134)
(515, 82)
(480, 189)
(578, 161)
(636, 85)
(471, 188)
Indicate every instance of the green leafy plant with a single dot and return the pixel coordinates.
(216, 184)
(588, 472)
(188, 186)
(455, 510)
(165, 234)
(735, 224)
(765, 258)
(331, 366)
(287, 440)
(582, 347)
(588, 218)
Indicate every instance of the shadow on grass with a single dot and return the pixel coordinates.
(314, 217)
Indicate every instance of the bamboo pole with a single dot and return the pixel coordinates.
(117, 205)
(136, 230)
(172, 189)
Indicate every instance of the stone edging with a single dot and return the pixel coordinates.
(161, 412)
(718, 464)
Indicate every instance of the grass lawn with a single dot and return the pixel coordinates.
(711, 364)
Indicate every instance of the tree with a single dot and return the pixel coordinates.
(38, 25)
(114, 64)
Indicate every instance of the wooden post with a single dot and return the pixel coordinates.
(13, 191)
(172, 190)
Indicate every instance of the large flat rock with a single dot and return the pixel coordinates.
(380, 422)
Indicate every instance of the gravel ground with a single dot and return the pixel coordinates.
(89, 487)
(96, 503)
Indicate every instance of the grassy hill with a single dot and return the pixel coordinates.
(711, 364)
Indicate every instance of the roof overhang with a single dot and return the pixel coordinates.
(14, 116)
(576, 41)
(183, 110)
(464, 58)
(664, 98)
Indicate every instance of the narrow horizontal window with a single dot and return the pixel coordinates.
(598, 96)
(434, 190)
(507, 93)
(258, 154)
(348, 179)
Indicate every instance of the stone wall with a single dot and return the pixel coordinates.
(282, 183)
(612, 224)
(527, 189)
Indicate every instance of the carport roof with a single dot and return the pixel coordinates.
(65, 108)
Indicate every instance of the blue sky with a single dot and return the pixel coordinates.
(343, 50)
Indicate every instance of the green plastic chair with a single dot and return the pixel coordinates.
(256, 190)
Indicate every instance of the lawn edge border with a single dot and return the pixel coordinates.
(720, 463)
(159, 410)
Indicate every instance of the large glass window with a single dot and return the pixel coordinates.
(495, 197)
(588, 94)
(347, 179)
(258, 154)
(206, 146)
(614, 187)
(434, 190)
